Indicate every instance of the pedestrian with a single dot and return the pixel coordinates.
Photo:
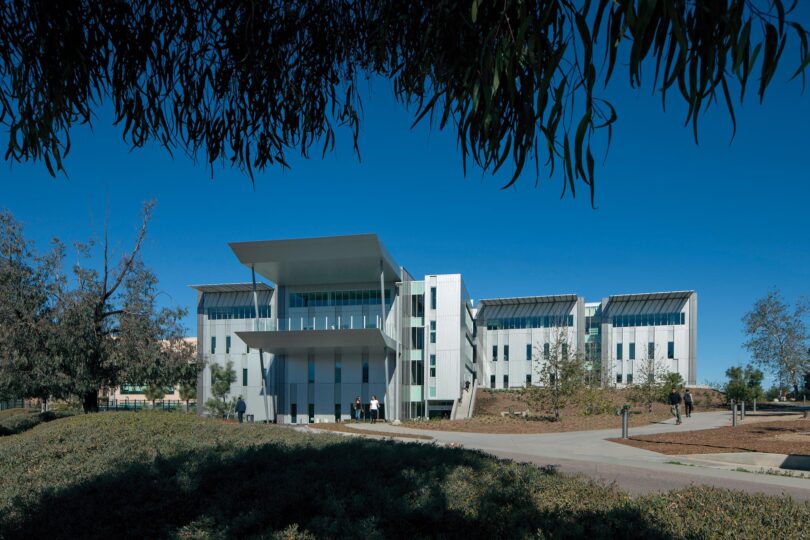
(241, 407)
(358, 409)
(467, 386)
(675, 405)
(374, 405)
(688, 403)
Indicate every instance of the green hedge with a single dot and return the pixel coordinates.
(154, 475)
(25, 419)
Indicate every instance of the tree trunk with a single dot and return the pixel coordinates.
(90, 402)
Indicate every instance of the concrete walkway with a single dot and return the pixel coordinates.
(633, 469)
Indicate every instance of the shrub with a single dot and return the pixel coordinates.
(186, 477)
(25, 420)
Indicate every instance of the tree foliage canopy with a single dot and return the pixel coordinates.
(100, 329)
(778, 338)
(249, 82)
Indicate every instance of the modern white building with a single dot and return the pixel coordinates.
(341, 319)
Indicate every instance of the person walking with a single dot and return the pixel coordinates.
(241, 407)
(358, 409)
(688, 403)
(675, 405)
(374, 405)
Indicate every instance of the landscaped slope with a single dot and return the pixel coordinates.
(157, 475)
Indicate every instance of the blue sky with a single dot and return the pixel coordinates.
(727, 220)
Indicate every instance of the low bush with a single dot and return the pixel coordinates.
(158, 475)
(25, 419)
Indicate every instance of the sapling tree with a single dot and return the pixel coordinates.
(221, 380)
(561, 372)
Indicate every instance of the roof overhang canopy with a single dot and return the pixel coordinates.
(315, 261)
(232, 287)
(287, 342)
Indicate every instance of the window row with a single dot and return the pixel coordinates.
(650, 350)
(648, 319)
(237, 312)
(546, 352)
(369, 297)
(338, 371)
(545, 321)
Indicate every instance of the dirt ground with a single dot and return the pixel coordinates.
(346, 428)
(490, 404)
(778, 437)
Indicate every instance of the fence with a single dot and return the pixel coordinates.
(12, 404)
(144, 404)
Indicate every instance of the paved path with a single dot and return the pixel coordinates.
(633, 469)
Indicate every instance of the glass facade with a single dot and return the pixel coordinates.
(237, 312)
(649, 319)
(545, 321)
(365, 297)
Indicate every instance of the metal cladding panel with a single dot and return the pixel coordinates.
(336, 259)
(538, 306)
(243, 298)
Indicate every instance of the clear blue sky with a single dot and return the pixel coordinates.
(729, 221)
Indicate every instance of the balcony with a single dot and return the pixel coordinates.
(296, 334)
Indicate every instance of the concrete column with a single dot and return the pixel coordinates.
(261, 352)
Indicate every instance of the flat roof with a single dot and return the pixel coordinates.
(322, 260)
(528, 300)
(231, 287)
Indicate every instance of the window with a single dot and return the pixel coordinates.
(432, 365)
(632, 351)
(213, 344)
(293, 413)
(528, 379)
(492, 381)
(227, 344)
(365, 371)
(311, 411)
(529, 352)
(433, 298)
(311, 371)
(247, 349)
(337, 412)
(565, 350)
(337, 371)
(506, 381)
(244, 376)
(433, 331)
(546, 351)
(336, 298)
(649, 319)
(670, 349)
(618, 351)
(494, 353)
(619, 378)
(236, 312)
(629, 378)
(417, 373)
(506, 353)
(650, 350)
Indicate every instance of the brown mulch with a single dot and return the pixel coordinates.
(489, 405)
(346, 428)
(777, 437)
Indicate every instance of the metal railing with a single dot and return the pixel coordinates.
(12, 404)
(145, 404)
(351, 322)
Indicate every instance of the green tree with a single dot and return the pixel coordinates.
(778, 338)
(28, 282)
(221, 380)
(248, 82)
(650, 383)
(561, 373)
(744, 384)
(154, 392)
(672, 381)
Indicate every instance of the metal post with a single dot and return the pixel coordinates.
(625, 423)
(733, 414)
(755, 404)
(742, 410)
(261, 351)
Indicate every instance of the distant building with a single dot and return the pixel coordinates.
(343, 320)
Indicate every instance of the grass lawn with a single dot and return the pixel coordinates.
(778, 437)
(170, 475)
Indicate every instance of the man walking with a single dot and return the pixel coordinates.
(688, 403)
(675, 405)
(241, 407)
